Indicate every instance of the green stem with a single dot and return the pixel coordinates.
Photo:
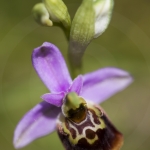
(75, 69)
(65, 30)
(75, 53)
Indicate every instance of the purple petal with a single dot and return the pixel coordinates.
(39, 121)
(102, 84)
(51, 67)
(76, 85)
(54, 99)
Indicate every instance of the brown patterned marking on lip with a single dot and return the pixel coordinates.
(86, 123)
(83, 143)
(66, 124)
(116, 138)
(95, 117)
(72, 131)
(90, 134)
(109, 138)
(103, 143)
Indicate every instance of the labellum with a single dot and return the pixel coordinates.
(85, 126)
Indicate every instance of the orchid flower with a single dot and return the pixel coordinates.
(72, 106)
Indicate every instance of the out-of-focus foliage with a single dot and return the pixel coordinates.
(125, 44)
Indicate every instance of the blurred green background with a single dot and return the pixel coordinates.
(125, 44)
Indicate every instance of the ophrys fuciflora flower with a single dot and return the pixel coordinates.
(72, 106)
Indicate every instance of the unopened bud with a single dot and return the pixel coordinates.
(41, 15)
(58, 12)
(82, 29)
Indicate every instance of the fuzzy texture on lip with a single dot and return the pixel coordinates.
(49, 64)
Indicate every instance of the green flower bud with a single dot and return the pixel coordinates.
(58, 12)
(82, 29)
(41, 15)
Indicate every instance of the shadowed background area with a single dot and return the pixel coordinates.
(125, 44)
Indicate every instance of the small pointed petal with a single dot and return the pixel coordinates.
(51, 67)
(39, 121)
(54, 99)
(102, 84)
(77, 85)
